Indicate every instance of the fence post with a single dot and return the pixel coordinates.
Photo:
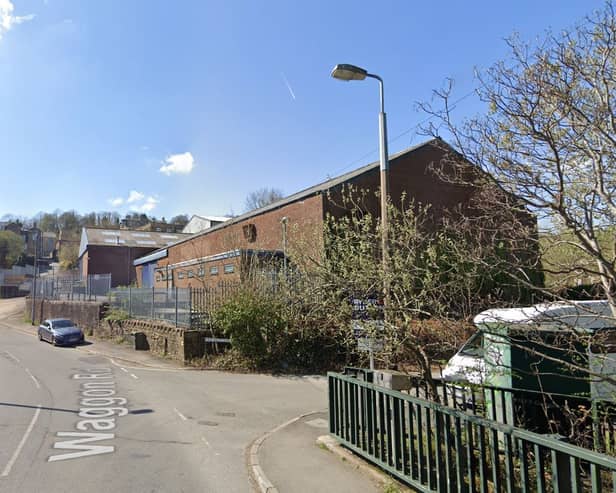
(130, 303)
(190, 306)
(152, 317)
(561, 474)
(176, 306)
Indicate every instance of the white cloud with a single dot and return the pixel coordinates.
(116, 202)
(136, 201)
(7, 19)
(148, 206)
(134, 196)
(178, 163)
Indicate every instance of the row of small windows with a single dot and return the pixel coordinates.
(182, 274)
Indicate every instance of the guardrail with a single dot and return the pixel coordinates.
(433, 447)
(589, 424)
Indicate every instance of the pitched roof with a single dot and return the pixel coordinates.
(127, 238)
(211, 218)
(315, 189)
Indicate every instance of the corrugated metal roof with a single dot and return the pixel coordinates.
(127, 238)
(151, 257)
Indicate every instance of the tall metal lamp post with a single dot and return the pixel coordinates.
(348, 72)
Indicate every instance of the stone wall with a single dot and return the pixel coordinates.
(86, 314)
(163, 339)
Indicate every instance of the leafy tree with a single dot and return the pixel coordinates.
(68, 256)
(262, 197)
(549, 137)
(11, 247)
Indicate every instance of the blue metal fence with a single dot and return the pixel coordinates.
(433, 447)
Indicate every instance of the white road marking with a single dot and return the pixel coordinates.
(123, 369)
(184, 418)
(144, 368)
(134, 376)
(8, 467)
(13, 357)
(36, 382)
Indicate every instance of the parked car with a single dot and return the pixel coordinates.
(60, 332)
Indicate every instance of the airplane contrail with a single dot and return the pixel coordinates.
(284, 78)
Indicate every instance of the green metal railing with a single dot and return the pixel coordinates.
(432, 447)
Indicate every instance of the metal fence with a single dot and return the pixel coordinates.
(589, 424)
(183, 307)
(170, 305)
(93, 288)
(433, 447)
(204, 301)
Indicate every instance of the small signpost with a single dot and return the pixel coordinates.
(366, 327)
(221, 340)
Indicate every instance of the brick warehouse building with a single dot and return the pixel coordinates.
(113, 251)
(296, 222)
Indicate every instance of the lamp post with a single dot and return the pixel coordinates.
(346, 73)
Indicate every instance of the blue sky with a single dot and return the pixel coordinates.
(188, 106)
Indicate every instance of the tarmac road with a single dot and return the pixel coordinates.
(72, 421)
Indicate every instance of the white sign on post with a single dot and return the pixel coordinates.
(367, 333)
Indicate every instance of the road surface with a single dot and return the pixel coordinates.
(73, 421)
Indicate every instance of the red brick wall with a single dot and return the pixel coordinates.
(304, 231)
(410, 174)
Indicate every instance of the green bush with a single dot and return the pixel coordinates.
(254, 322)
(266, 332)
(116, 315)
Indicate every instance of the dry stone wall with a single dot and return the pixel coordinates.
(163, 339)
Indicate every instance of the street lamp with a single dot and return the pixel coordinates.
(347, 72)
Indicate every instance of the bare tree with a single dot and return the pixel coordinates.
(181, 219)
(549, 137)
(262, 197)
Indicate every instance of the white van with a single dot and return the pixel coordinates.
(499, 355)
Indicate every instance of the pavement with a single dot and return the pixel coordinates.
(292, 459)
(296, 456)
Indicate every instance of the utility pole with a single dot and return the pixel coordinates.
(33, 295)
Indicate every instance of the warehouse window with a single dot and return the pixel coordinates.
(229, 268)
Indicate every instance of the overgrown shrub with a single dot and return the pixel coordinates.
(267, 331)
(253, 322)
(116, 315)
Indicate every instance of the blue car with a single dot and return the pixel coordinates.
(60, 332)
